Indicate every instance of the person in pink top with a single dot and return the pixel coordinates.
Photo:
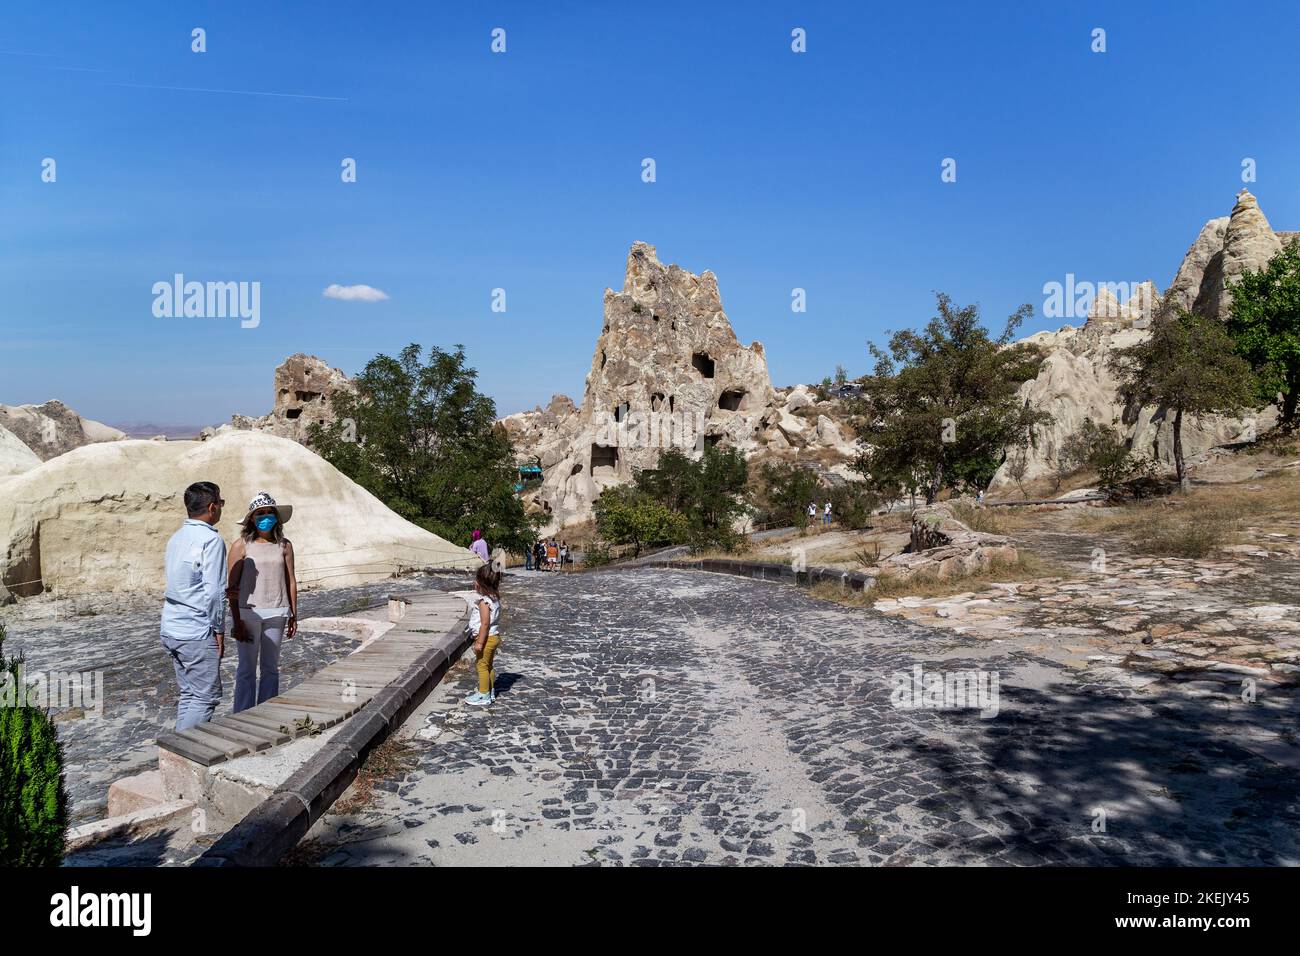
(479, 546)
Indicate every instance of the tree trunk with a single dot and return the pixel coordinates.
(1178, 449)
(1287, 420)
(936, 483)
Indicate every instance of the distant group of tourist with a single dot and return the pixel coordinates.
(255, 577)
(547, 554)
(812, 513)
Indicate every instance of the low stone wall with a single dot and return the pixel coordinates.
(787, 573)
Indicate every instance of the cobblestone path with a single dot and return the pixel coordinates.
(662, 717)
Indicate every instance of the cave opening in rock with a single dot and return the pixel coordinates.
(293, 413)
(604, 456)
(730, 399)
(703, 364)
(656, 401)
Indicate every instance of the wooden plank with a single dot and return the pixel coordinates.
(189, 749)
(287, 713)
(259, 738)
(200, 736)
(271, 729)
(327, 695)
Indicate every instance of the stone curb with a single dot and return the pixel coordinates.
(274, 827)
(855, 580)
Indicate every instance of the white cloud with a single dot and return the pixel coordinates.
(355, 293)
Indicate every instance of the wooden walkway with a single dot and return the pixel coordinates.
(329, 696)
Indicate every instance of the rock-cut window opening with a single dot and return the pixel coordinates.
(703, 364)
(620, 411)
(293, 413)
(730, 399)
(657, 401)
(604, 456)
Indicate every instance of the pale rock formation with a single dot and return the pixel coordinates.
(943, 547)
(304, 389)
(801, 396)
(1075, 381)
(667, 371)
(97, 519)
(1186, 287)
(52, 429)
(15, 457)
(1248, 243)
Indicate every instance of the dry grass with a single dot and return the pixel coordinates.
(1027, 567)
(394, 757)
(1198, 523)
(995, 520)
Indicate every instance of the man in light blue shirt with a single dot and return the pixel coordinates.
(194, 613)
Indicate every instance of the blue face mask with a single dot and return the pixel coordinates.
(266, 522)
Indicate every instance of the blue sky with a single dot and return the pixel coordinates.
(522, 171)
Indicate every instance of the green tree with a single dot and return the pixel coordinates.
(783, 491)
(626, 515)
(1265, 327)
(1187, 366)
(709, 491)
(941, 409)
(33, 801)
(422, 438)
(1097, 447)
(852, 503)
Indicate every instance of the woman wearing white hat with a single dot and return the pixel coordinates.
(263, 594)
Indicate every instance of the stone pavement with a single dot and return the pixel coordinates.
(669, 717)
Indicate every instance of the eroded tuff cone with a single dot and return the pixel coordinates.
(53, 429)
(667, 371)
(304, 390)
(1186, 287)
(1137, 310)
(668, 345)
(1248, 243)
(1075, 381)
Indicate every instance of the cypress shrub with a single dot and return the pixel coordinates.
(33, 801)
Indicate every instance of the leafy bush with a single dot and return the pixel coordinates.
(782, 492)
(596, 555)
(852, 504)
(625, 515)
(707, 491)
(33, 802)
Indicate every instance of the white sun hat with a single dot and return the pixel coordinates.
(263, 500)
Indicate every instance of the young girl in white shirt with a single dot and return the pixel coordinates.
(484, 617)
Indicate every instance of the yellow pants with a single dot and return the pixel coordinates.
(487, 677)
